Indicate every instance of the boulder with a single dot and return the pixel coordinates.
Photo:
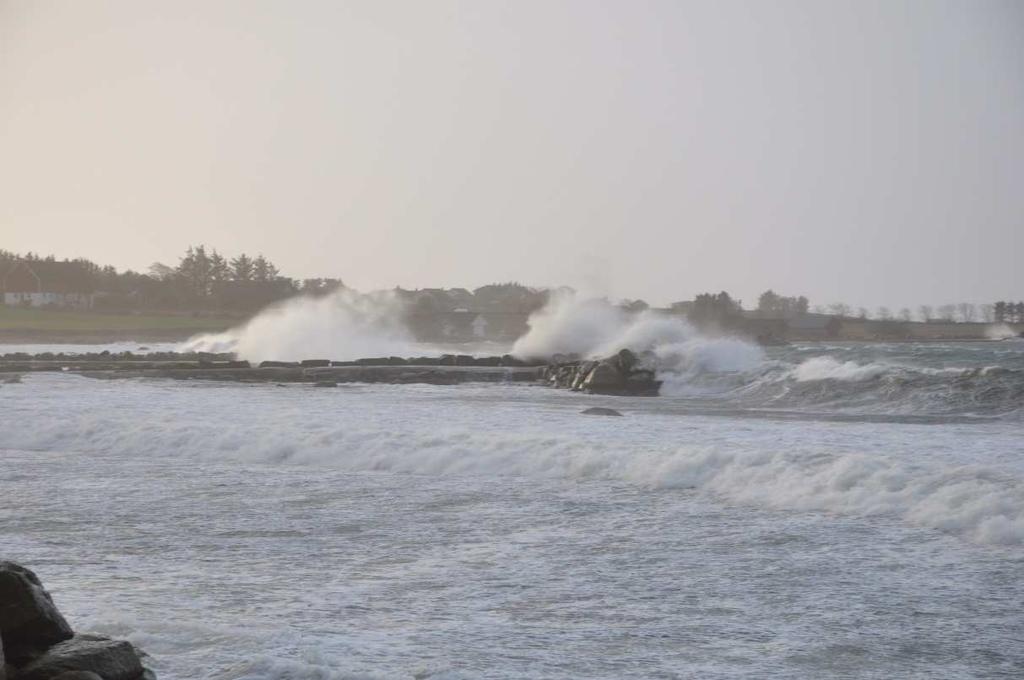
(109, 659)
(29, 621)
(625, 361)
(77, 675)
(600, 411)
(604, 376)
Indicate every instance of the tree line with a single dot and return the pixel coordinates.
(203, 280)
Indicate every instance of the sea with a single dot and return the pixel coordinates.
(819, 510)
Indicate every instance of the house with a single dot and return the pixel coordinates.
(46, 283)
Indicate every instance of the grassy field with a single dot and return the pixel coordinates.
(14, 319)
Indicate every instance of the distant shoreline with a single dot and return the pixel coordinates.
(103, 337)
(96, 337)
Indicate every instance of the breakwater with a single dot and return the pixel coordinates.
(621, 373)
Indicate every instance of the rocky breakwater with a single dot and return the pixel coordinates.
(36, 642)
(622, 374)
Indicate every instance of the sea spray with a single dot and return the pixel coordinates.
(344, 325)
(570, 324)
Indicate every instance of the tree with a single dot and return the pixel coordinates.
(263, 270)
(883, 313)
(839, 309)
(718, 308)
(194, 270)
(988, 312)
(219, 268)
(999, 311)
(862, 312)
(905, 314)
(967, 311)
(925, 312)
(947, 312)
(161, 271)
(768, 301)
(242, 268)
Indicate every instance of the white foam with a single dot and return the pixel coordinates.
(1000, 331)
(596, 328)
(968, 500)
(827, 368)
(345, 325)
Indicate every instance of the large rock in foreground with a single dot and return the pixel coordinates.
(109, 659)
(39, 644)
(29, 621)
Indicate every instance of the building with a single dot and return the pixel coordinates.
(45, 283)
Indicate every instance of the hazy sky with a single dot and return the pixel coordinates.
(866, 152)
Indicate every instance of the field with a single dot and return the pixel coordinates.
(18, 324)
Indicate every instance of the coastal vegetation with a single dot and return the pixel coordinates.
(209, 291)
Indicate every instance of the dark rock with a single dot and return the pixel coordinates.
(447, 360)
(625, 361)
(315, 363)
(605, 375)
(29, 621)
(77, 675)
(205, 363)
(600, 411)
(489, 361)
(278, 364)
(620, 374)
(109, 659)
(465, 360)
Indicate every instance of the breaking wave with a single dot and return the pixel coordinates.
(570, 324)
(967, 500)
(344, 325)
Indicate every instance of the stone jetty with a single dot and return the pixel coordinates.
(621, 374)
(37, 643)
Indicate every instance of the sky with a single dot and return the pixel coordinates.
(864, 152)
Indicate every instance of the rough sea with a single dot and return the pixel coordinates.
(818, 511)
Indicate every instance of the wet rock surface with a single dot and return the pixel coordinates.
(36, 642)
(621, 374)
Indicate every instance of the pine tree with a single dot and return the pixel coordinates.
(241, 268)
